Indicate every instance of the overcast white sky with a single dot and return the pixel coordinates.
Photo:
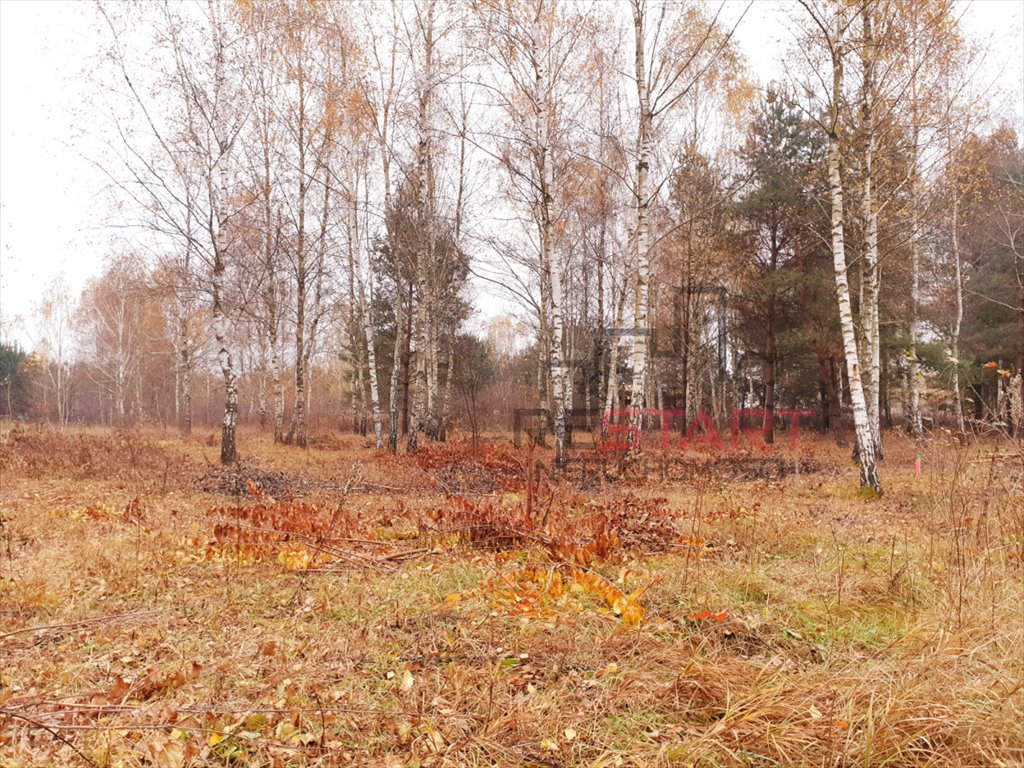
(53, 208)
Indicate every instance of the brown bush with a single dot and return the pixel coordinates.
(456, 466)
(125, 454)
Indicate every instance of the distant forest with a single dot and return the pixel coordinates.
(322, 197)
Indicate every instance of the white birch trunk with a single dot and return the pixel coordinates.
(185, 368)
(297, 430)
(958, 316)
(425, 251)
(396, 364)
(641, 203)
(550, 271)
(612, 391)
(222, 335)
(222, 325)
(871, 276)
(861, 419)
(385, 159)
(371, 356)
(916, 424)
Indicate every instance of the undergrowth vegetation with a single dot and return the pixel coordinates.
(469, 606)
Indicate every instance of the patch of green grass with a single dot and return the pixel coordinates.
(629, 725)
(867, 626)
(749, 586)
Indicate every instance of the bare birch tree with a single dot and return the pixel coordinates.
(832, 30)
(191, 171)
(675, 50)
(535, 50)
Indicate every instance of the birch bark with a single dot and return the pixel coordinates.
(271, 234)
(217, 186)
(862, 423)
(958, 317)
(297, 429)
(870, 269)
(641, 202)
(371, 356)
(612, 391)
(425, 252)
(916, 424)
(550, 271)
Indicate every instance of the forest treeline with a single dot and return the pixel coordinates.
(322, 198)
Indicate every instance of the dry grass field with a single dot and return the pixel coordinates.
(340, 606)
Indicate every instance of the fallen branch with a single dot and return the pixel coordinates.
(36, 724)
